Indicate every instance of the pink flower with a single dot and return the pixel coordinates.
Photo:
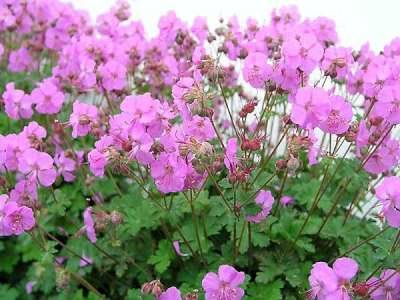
(34, 133)
(17, 104)
(231, 159)
(265, 200)
(169, 173)
(199, 128)
(85, 261)
(171, 293)
(386, 287)
(25, 193)
(38, 166)
(177, 249)
(21, 60)
(65, 166)
(256, 70)
(388, 104)
(29, 286)
(48, 98)
(113, 75)
(224, 285)
(303, 52)
(89, 224)
(14, 146)
(337, 62)
(98, 157)
(324, 29)
(339, 117)
(97, 162)
(323, 280)
(332, 283)
(16, 219)
(311, 107)
(82, 118)
(142, 108)
(286, 200)
(388, 193)
(385, 158)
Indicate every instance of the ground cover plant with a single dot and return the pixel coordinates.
(246, 161)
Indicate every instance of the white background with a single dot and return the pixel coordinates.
(357, 21)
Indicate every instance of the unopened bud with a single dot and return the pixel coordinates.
(116, 217)
(62, 278)
(281, 164)
(376, 121)
(154, 288)
(293, 164)
(192, 296)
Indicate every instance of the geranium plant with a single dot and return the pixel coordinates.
(238, 162)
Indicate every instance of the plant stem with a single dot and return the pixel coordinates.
(364, 242)
(335, 204)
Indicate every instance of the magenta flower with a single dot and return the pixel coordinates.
(303, 52)
(16, 219)
(325, 30)
(113, 75)
(25, 193)
(47, 98)
(199, 128)
(339, 117)
(85, 261)
(386, 287)
(177, 249)
(265, 200)
(98, 157)
(256, 70)
(37, 166)
(142, 108)
(388, 104)
(332, 283)
(21, 60)
(385, 158)
(286, 200)
(97, 162)
(29, 286)
(224, 285)
(82, 118)
(14, 145)
(323, 281)
(231, 159)
(34, 133)
(388, 193)
(311, 107)
(89, 224)
(17, 104)
(171, 293)
(66, 166)
(169, 173)
(337, 62)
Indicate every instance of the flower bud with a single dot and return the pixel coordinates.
(280, 164)
(361, 289)
(116, 217)
(350, 136)
(293, 164)
(62, 278)
(154, 288)
(376, 121)
(192, 296)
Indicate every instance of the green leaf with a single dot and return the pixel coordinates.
(271, 291)
(7, 292)
(163, 256)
